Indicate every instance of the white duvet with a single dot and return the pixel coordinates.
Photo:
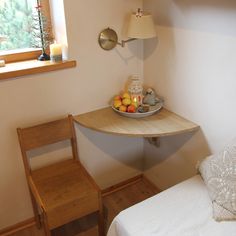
(183, 210)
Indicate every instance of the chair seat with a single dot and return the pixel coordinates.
(65, 192)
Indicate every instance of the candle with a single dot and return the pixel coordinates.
(56, 52)
(137, 98)
(2, 63)
(55, 49)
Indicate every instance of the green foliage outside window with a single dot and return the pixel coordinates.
(15, 23)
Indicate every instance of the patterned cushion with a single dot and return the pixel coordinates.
(222, 214)
(219, 174)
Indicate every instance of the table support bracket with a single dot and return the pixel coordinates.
(154, 141)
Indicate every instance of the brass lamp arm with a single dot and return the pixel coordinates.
(123, 42)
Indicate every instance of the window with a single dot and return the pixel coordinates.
(19, 25)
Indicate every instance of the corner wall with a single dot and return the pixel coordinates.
(193, 66)
(98, 76)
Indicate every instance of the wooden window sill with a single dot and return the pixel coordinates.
(30, 67)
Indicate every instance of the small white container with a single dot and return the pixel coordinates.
(2, 63)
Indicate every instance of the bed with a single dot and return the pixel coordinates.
(182, 210)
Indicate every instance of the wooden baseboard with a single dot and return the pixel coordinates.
(155, 188)
(127, 183)
(17, 227)
(121, 185)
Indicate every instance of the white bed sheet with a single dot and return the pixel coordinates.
(182, 210)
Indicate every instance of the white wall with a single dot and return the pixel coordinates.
(193, 65)
(98, 76)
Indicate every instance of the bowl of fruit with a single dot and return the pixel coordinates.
(128, 107)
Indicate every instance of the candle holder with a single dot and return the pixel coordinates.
(56, 52)
(136, 90)
(41, 31)
(44, 57)
(56, 58)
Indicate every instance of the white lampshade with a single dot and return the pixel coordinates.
(141, 27)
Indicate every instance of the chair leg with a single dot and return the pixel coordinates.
(36, 212)
(45, 225)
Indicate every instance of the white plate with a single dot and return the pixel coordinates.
(153, 109)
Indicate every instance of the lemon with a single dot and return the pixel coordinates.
(126, 101)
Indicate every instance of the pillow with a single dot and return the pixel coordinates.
(219, 174)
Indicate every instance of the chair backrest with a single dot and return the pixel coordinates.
(46, 134)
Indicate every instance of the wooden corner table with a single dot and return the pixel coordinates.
(162, 123)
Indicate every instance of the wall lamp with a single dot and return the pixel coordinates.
(141, 26)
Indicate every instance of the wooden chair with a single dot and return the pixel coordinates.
(64, 191)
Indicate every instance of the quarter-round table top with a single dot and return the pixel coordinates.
(162, 123)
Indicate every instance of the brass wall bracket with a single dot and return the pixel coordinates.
(108, 39)
(154, 141)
